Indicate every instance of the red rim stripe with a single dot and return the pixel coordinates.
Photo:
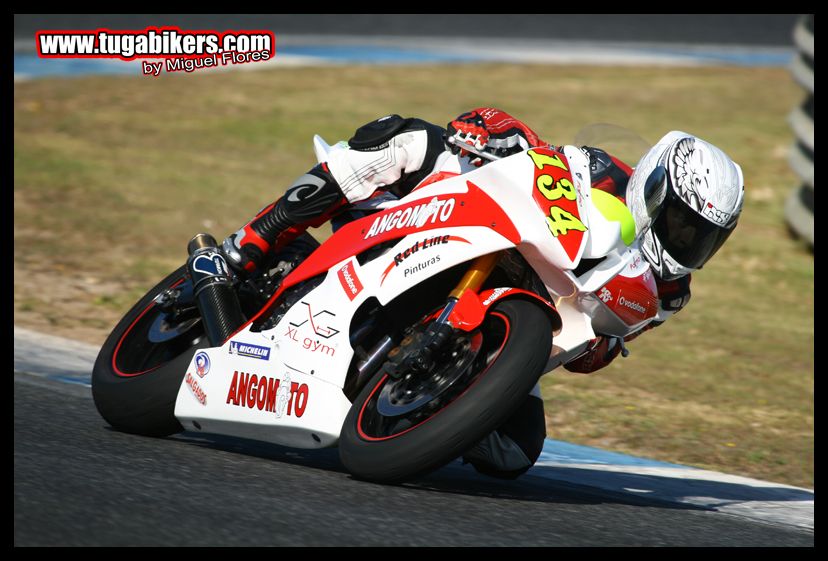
(118, 347)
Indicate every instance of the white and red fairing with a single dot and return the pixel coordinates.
(292, 393)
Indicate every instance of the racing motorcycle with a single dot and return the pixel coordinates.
(413, 332)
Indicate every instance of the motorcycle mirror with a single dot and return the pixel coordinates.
(655, 189)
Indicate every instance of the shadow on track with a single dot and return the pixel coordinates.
(454, 478)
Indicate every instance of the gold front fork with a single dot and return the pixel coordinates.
(477, 274)
(421, 358)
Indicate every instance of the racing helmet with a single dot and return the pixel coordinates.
(685, 196)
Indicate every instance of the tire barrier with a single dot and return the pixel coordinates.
(799, 208)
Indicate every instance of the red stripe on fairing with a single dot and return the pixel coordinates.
(473, 208)
(387, 270)
(118, 347)
(379, 385)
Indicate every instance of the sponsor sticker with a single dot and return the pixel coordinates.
(416, 268)
(413, 217)
(632, 304)
(349, 280)
(210, 263)
(495, 295)
(274, 395)
(202, 361)
(248, 350)
(195, 389)
(634, 265)
(716, 215)
(318, 322)
(413, 251)
(309, 343)
(312, 333)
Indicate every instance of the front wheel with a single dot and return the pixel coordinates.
(398, 429)
(141, 365)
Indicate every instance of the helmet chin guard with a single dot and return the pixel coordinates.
(662, 263)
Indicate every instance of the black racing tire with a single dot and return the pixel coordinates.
(493, 393)
(135, 381)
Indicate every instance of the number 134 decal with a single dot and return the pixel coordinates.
(557, 196)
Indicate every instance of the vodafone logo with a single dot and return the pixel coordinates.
(349, 280)
(633, 305)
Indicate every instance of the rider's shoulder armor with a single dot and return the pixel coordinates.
(376, 134)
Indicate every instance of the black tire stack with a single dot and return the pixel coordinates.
(799, 208)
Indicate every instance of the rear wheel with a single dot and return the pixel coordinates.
(139, 369)
(399, 428)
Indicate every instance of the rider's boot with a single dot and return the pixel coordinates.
(516, 445)
(310, 201)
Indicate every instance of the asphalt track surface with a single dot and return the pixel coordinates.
(78, 482)
(725, 29)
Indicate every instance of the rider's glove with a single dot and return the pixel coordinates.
(674, 294)
(490, 130)
(600, 352)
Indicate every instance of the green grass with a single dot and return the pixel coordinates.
(113, 175)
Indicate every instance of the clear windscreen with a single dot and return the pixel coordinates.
(617, 141)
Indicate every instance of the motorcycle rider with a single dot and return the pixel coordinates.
(685, 192)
